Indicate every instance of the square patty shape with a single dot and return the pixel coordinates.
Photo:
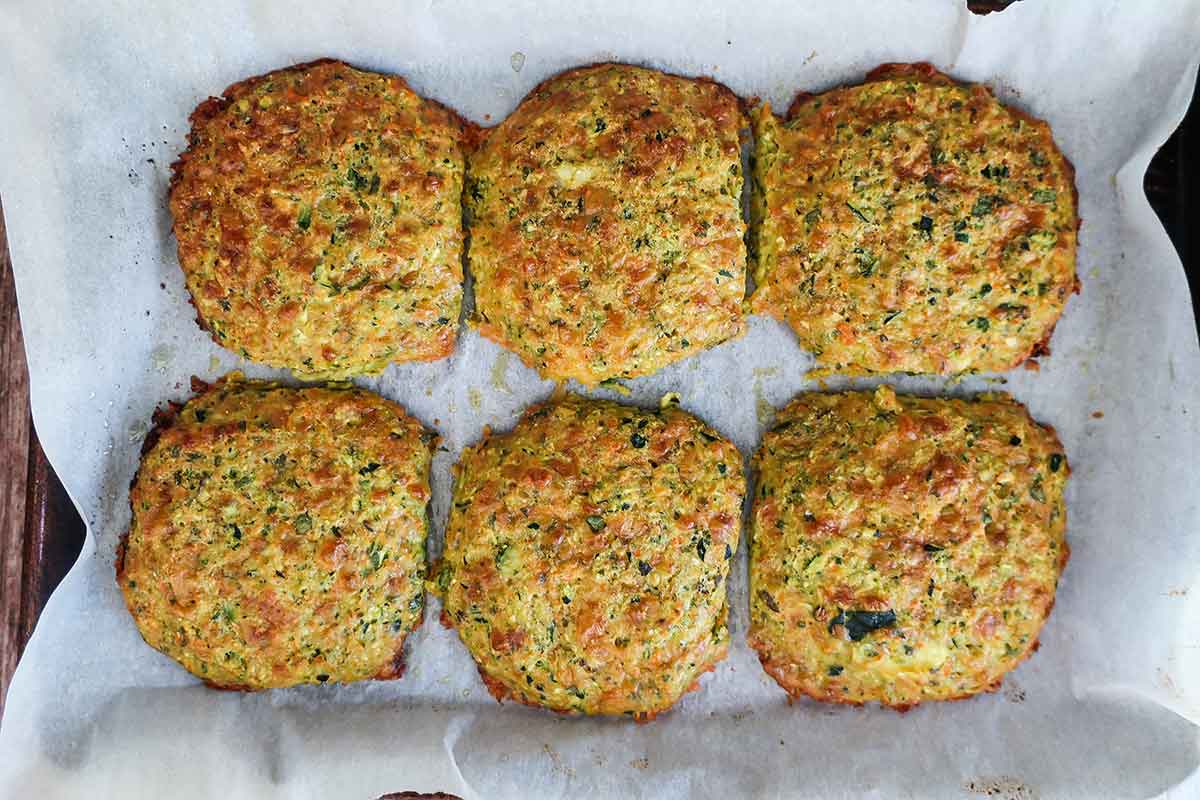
(318, 211)
(912, 224)
(607, 234)
(903, 549)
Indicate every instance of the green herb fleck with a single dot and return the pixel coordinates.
(596, 523)
(866, 262)
(376, 554)
(358, 180)
(766, 597)
(445, 575)
(925, 226)
(983, 206)
(860, 623)
(858, 213)
(305, 218)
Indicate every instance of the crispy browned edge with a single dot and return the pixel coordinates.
(498, 690)
(213, 106)
(743, 104)
(795, 693)
(164, 418)
(925, 72)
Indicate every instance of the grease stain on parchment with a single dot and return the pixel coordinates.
(556, 761)
(762, 406)
(500, 373)
(1004, 787)
(161, 356)
(138, 430)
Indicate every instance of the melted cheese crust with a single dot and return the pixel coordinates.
(903, 549)
(587, 552)
(319, 220)
(278, 535)
(607, 234)
(912, 224)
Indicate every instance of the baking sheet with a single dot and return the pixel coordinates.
(96, 98)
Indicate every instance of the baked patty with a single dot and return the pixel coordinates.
(912, 224)
(607, 234)
(318, 213)
(278, 534)
(586, 556)
(903, 549)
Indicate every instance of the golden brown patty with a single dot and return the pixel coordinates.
(904, 549)
(319, 219)
(912, 224)
(587, 552)
(278, 535)
(607, 232)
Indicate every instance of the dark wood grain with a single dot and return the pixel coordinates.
(53, 534)
(988, 6)
(15, 426)
(41, 534)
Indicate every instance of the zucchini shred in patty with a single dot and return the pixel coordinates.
(903, 549)
(912, 224)
(587, 553)
(318, 212)
(607, 233)
(278, 534)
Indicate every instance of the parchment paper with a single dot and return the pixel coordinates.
(96, 98)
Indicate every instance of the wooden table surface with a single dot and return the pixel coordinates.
(41, 534)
